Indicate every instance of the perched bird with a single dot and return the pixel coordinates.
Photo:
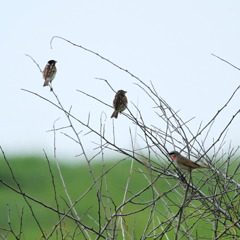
(49, 72)
(119, 103)
(183, 162)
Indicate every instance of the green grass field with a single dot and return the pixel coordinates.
(34, 177)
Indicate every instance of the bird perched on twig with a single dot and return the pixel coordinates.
(183, 162)
(49, 73)
(119, 103)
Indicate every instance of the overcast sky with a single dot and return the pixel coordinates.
(166, 42)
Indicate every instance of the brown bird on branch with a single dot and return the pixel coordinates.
(119, 103)
(183, 162)
(49, 73)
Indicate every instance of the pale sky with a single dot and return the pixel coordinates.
(166, 42)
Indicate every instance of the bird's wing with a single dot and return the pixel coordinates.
(190, 163)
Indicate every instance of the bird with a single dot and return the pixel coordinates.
(49, 73)
(119, 103)
(183, 162)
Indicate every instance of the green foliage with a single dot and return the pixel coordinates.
(34, 177)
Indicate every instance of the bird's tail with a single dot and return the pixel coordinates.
(45, 83)
(115, 114)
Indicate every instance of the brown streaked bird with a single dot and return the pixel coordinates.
(119, 103)
(49, 73)
(183, 162)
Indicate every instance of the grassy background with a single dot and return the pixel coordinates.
(34, 177)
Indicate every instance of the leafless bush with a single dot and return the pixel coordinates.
(198, 205)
